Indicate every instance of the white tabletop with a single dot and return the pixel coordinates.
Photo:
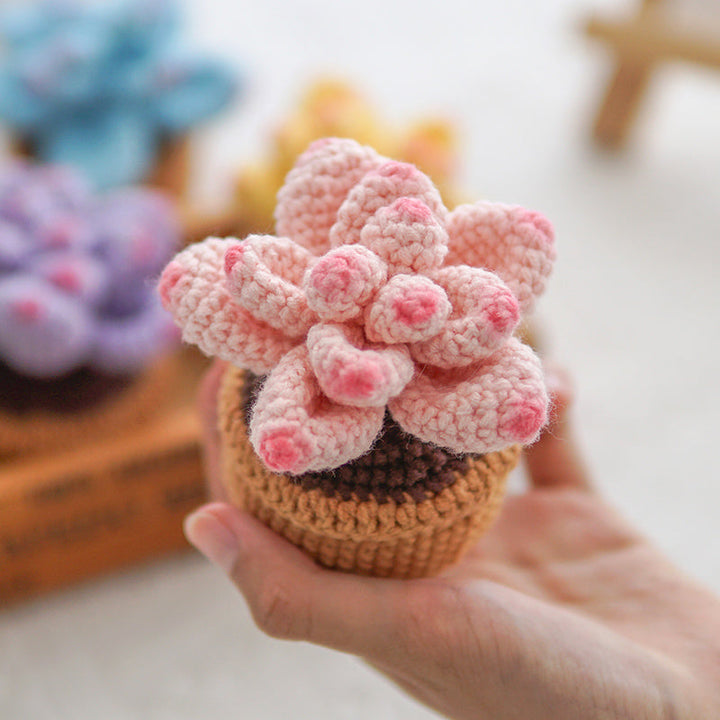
(633, 310)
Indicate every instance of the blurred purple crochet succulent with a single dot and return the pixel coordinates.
(76, 274)
(99, 85)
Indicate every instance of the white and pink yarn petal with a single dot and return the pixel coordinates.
(372, 298)
(343, 281)
(265, 276)
(314, 190)
(380, 188)
(408, 308)
(515, 243)
(484, 315)
(295, 428)
(407, 236)
(480, 408)
(193, 289)
(352, 372)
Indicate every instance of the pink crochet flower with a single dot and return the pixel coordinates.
(372, 296)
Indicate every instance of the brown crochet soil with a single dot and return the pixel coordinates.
(76, 391)
(398, 467)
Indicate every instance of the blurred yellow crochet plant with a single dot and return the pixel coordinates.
(331, 107)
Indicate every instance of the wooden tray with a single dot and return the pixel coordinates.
(117, 499)
(69, 516)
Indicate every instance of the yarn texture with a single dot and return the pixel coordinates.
(403, 532)
(373, 298)
(102, 85)
(75, 274)
(330, 107)
(399, 466)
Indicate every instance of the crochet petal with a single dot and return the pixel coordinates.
(193, 288)
(351, 372)
(112, 149)
(126, 345)
(264, 276)
(482, 408)
(81, 276)
(380, 188)
(20, 107)
(21, 23)
(314, 189)
(408, 308)
(515, 243)
(342, 281)
(295, 429)
(407, 235)
(44, 333)
(484, 315)
(186, 90)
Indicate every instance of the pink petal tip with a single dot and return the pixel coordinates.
(522, 422)
(232, 256)
(168, 280)
(285, 450)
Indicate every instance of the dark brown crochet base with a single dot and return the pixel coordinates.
(76, 391)
(399, 467)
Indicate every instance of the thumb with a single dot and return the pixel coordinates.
(289, 596)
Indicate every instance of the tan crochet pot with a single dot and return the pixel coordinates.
(389, 539)
(41, 430)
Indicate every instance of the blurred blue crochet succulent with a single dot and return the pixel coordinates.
(76, 274)
(101, 86)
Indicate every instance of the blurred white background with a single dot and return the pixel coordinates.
(633, 311)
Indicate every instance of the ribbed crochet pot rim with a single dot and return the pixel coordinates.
(351, 534)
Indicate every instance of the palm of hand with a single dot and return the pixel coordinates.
(563, 595)
(562, 611)
(566, 547)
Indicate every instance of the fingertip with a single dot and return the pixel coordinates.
(211, 529)
(208, 390)
(256, 543)
(554, 460)
(206, 403)
(235, 540)
(561, 390)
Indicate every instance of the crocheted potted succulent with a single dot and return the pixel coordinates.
(107, 87)
(376, 397)
(82, 333)
(332, 107)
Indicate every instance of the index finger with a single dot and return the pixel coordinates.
(207, 409)
(555, 460)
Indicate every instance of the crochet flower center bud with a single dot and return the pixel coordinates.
(341, 282)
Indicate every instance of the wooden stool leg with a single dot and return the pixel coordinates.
(622, 102)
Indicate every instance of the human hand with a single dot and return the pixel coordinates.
(561, 611)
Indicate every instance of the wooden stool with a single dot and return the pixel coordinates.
(657, 33)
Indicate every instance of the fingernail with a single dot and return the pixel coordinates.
(213, 538)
